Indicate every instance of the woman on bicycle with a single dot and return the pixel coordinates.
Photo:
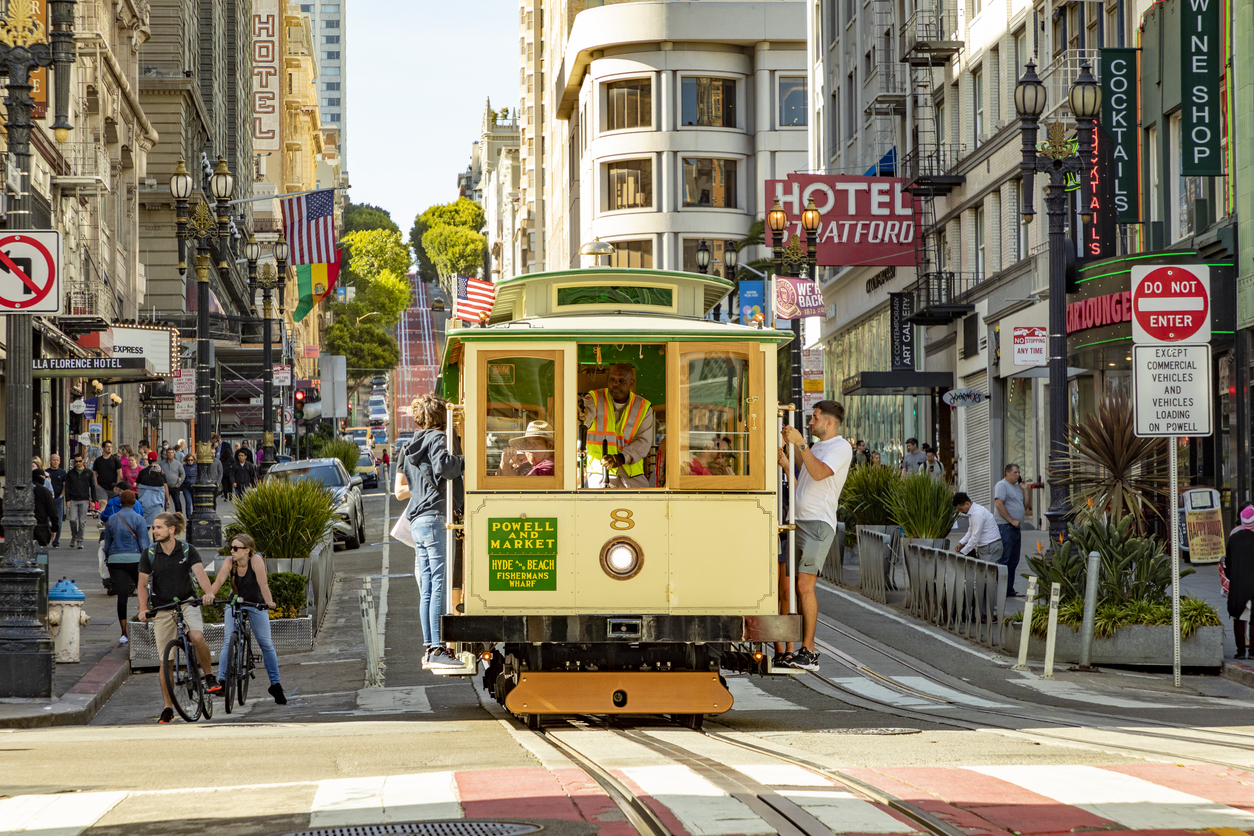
(247, 573)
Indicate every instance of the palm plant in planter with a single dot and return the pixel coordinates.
(288, 518)
(923, 507)
(346, 451)
(866, 496)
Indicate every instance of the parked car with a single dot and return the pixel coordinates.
(376, 400)
(379, 380)
(350, 523)
(368, 470)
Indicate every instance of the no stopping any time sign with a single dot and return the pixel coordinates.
(29, 272)
(1171, 304)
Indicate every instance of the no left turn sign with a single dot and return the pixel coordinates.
(30, 279)
(1171, 304)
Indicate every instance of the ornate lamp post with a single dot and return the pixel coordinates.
(703, 257)
(25, 646)
(730, 258)
(776, 220)
(1059, 160)
(270, 278)
(201, 229)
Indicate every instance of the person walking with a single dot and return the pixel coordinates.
(428, 464)
(173, 470)
(170, 565)
(982, 538)
(1237, 567)
(912, 458)
(861, 455)
(131, 465)
(154, 490)
(180, 450)
(932, 466)
(56, 475)
(45, 508)
(125, 538)
(215, 477)
(190, 474)
(246, 571)
(1008, 512)
(243, 472)
(824, 468)
(227, 458)
(107, 468)
(80, 487)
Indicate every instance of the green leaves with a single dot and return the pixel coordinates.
(365, 346)
(448, 235)
(346, 451)
(287, 518)
(1108, 618)
(462, 212)
(375, 251)
(865, 498)
(362, 216)
(923, 507)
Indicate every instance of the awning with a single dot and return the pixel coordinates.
(105, 369)
(897, 383)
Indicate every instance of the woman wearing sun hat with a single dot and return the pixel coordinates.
(1238, 567)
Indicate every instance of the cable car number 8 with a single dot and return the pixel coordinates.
(620, 520)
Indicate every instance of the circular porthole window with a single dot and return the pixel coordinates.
(622, 558)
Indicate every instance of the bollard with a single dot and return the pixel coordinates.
(370, 631)
(1025, 634)
(1090, 612)
(1051, 633)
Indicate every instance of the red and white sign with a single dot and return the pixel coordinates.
(1171, 304)
(184, 381)
(29, 275)
(865, 220)
(184, 407)
(282, 375)
(1031, 345)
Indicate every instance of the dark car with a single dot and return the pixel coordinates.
(350, 522)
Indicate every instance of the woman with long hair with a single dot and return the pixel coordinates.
(191, 472)
(246, 571)
(125, 537)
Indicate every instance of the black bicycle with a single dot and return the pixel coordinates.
(183, 678)
(239, 664)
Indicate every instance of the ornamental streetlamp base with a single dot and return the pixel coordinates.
(1056, 517)
(204, 529)
(26, 653)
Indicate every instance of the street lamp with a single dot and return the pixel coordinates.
(703, 257)
(252, 252)
(730, 258)
(811, 220)
(363, 316)
(25, 646)
(1058, 160)
(200, 228)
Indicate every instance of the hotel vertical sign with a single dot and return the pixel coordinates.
(1119, 113)
(267, 72)
(1201, 54)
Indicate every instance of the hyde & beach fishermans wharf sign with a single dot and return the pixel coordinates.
(522, 554)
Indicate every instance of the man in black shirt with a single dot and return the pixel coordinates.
(57, 474)
(45, 508)
(80, 485)
(171, 564)
(106, 468)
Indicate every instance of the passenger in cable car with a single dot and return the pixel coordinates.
(620, 430)
(514, 459)
(537, 448)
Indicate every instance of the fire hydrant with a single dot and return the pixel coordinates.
(65, 616)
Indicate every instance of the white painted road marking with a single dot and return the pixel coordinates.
(703, 808)
(62, 814)
(749, 697)
(380, 800)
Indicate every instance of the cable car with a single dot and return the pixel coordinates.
(621, 529)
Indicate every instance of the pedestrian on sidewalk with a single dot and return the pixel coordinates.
(824, 468)
(861, 455)
(154, 490)
(227, 457)
(173, 470)
(180, 450)
(932, 466)
(56, 475)
(246, 571)
(243, 472)
(1238, 567)
(428, 465)
(45, 508)
(1008, 501)
(982, 539)
(912, 459)
(125, 538)
(80, 486)
(215, 477)
(170, 565)
(131, 465)
(190, 474)
(107, 468)
(115, 502)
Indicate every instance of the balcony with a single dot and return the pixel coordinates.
(1058, 78)
(88, 166)
(931, 35)
(930, 169)
(889, 98)
(93, 19)
(939, 297)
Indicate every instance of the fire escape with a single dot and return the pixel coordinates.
(929, 39)
(888, 104)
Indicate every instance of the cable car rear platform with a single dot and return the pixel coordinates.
(598, 629)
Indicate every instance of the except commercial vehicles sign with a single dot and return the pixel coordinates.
(29, 277)
(1171, 390)
(866, 220)
(1201, 53)
(1119, 103)
(1171, 304)
(522, 553)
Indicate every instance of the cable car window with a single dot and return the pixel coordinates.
(662, 297)
(720, 419)
(521, 408)
(622, 415)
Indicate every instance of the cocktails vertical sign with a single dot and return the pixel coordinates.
(1119, 104)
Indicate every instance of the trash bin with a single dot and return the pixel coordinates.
(65, 616)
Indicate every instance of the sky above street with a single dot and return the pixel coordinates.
(417, 78)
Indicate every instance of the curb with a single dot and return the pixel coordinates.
(1238, 672)
(79, 704)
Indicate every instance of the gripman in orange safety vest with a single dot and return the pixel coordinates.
(620, 429)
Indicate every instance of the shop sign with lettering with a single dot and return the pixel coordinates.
(1119, 104)
(1201, 55)
(1110, 309)
(866, 221)
(266, 74)
(522, 554)
(900, 309)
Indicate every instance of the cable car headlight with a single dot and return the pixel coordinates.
(622, 558)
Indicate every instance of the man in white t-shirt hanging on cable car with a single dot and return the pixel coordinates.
(620, 431)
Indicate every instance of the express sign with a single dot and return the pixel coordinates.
(1171, 304)
(865, 220)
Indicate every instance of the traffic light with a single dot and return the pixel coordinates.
(299, 412)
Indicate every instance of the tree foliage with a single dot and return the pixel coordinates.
(387, 293)
(359, 217)
(373, 251)
(462, 212)
(369, 349)
(455, 249)
(422, 262)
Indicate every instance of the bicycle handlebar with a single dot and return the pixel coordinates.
(191, 602)
(235, 599)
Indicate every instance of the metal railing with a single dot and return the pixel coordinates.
(89, 298)
(875, 560)
(89, 164)
(945, 287)
(93, 17)
(963, 594)
(1058, 79)
(932, 30)
(932, 160)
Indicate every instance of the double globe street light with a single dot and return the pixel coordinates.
(268, 278)
(776, 222)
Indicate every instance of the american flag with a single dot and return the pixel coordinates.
(473, 296)
(309, 224)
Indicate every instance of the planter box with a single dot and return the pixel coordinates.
(291, 635)
(1136, 645)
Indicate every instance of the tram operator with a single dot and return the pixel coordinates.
(620, 429)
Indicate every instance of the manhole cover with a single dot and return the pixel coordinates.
(869, 731)
(428, 828)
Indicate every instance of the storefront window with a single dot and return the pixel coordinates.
(520, 418)
(884, 422)
(1019, 432)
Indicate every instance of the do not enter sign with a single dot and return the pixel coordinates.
(1171, 304)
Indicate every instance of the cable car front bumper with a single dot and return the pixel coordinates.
(594, 629)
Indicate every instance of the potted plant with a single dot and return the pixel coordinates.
(864, 508)
(924, 508)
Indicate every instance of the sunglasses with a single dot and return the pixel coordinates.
(239, 548)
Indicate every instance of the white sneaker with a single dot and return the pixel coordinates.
(123, 640)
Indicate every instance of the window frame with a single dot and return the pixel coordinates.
(606, 84)
(484, 481)
(735, 182)
(738, 116)
(677, 424)
(606, 180)
(805, 97)
(618, 306)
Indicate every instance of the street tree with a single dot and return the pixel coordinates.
(461, 212)
(422, 262)
(455, 250)
(367, 348)
(359, 217)
(386, 293)
(374, 250)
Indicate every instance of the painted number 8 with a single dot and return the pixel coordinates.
(620, 520)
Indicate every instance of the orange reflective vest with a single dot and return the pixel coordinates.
(607, 439)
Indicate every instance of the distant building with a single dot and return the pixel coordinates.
(330, 31)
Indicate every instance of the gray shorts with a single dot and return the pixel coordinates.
(814, 540)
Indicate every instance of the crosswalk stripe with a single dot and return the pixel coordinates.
(385, 799)
(882, 693)
(63, 814)
(844, 812)
(746, 696)
(702, 808)
(1133, 802)
(927, 686)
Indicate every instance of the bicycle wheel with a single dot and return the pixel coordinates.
(182, 677)
(226, 668)
(245, 666)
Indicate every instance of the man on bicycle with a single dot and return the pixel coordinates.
(170, 565)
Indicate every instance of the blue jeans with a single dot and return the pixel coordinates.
(259, 621)
(1011, 537)
(186, 490)
(429, 566)
(56, 532)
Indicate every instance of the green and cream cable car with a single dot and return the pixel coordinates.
(615, 565)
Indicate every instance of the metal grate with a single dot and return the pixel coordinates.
(884, 731)
(428, 828)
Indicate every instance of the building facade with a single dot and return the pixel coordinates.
(329, 24)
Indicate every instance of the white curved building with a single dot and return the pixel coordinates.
(657, 124)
